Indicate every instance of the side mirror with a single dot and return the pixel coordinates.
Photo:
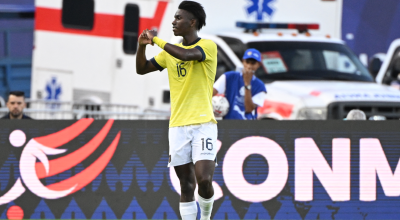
(374, 66)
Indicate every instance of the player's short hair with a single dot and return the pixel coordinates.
(196, 10)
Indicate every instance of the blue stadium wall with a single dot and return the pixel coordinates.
(16, 45)
(373, 25)
(124, 173)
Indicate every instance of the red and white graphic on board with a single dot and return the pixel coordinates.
(41, 147)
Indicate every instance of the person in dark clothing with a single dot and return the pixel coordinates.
(16, 104)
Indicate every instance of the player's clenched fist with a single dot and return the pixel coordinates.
(150, 34)
(143, 39)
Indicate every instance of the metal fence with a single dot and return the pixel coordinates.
(40, 109)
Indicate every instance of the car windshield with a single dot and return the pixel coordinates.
(308, 61)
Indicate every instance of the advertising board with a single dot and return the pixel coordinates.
(266, 169)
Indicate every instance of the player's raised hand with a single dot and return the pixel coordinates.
(150, 34)
(144, 39)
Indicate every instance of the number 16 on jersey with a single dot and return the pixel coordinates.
(181, 71)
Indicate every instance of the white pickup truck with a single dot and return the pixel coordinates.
(311, 77)
(310, 73)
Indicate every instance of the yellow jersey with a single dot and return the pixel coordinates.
(191, 83)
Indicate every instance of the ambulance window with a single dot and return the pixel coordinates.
(236, 45)
(339, 61)
(131, 28)
(224, 64)
(78, 14)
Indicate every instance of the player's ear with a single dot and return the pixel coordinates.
(193, 22)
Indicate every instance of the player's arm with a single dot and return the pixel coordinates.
(175, 51)
(215, 92)
(182, 53)
(143, 66)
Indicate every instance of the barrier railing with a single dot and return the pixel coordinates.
(40, 109)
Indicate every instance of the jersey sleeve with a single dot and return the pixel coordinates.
(259, 92)
(259, 99)
(159, 61)
(208, 49)
(220, 84)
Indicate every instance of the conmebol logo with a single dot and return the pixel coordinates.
(39, 148)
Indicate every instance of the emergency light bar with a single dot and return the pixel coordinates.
(255, 26)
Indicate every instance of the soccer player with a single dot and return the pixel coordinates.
(193, 130)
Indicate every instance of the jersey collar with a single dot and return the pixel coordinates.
(194, 42)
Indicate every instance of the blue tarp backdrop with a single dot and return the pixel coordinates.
(372, 24)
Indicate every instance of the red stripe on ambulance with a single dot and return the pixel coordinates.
(154, 22)
(105, 25)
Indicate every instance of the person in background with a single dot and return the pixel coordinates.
(356, 114)
(243, 90)
(16, 104)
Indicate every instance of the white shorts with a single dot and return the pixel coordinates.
(192, 143)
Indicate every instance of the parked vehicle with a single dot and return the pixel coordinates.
(389, 71)
(85, 52)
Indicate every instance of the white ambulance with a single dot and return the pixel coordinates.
(85, 52)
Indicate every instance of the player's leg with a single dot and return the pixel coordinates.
(204, 154)
(187, 205)
(204, 174)
(180, 152)
(187, 181)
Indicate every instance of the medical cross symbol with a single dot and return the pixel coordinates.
(53, 89)
(260, 7)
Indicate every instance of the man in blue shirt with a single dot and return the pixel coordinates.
(243, 90)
